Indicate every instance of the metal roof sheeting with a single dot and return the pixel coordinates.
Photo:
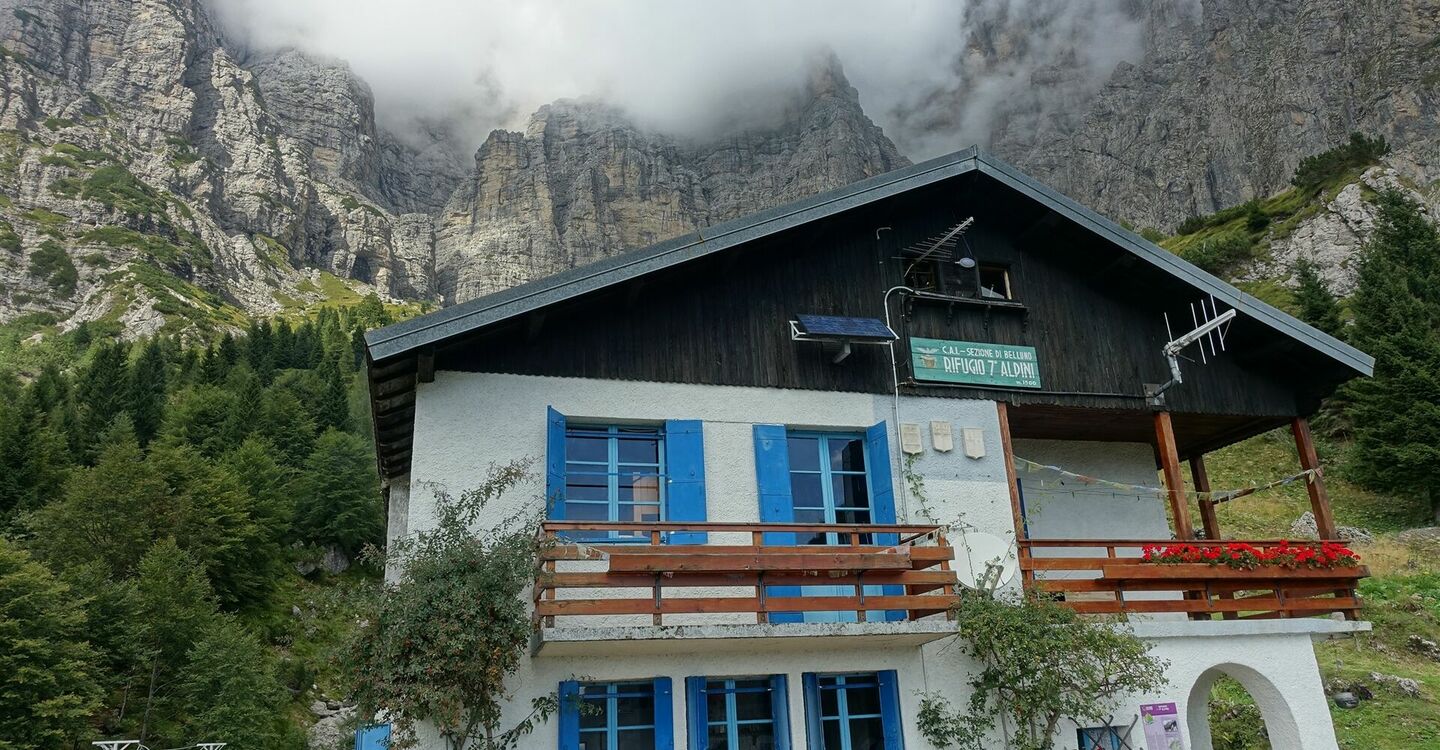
(428, 330)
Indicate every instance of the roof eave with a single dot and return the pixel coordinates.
(1285, 324)
(427, 330)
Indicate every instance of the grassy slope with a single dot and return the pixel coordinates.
(1402, 598)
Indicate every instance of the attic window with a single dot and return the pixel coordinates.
(995, 281)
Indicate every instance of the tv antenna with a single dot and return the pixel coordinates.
(1210, 327)
(939, 247)
(984, 562)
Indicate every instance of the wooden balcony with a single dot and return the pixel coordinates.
(741, 575)
(1107, 576)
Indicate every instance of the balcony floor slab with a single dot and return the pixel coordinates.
(1318, 628)
(754, 638)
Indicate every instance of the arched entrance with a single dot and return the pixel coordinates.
(1280, 724)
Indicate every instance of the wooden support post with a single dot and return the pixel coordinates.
(1170, 467)
(1008, 453)
(549, 591)
(761, 616)
(1201, 480)
(425, 365)
(1319, 498)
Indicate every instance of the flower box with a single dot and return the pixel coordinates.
(1324, 556)
(1202, 572)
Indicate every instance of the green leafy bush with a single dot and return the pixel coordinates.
(1322, 168)
(1040, 662)
(116, 187)
(9, 240)
(1220, 253)
(426, 656)
(51, 263)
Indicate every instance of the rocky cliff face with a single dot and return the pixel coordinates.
(1225, 99)
(583, 180)
(154, 177)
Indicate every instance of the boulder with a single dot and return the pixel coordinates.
(1304, 526)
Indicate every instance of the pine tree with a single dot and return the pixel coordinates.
(284, 345)
(108, 513)
(285, 424)
(47, 669)
(215, 522)
(176, 607)
(307, 346)
(340, 502)
(51, 389)
(213, 369)
(1397, 319)
(357, 346)
(147, 391)
(270, 485)
(204, 417)
(1317, 305)
(259, 350)
(101, 393)
(231, 689)
(333, 407)
(34, 456)
(228, 350)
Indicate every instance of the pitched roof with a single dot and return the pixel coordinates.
(409, 336)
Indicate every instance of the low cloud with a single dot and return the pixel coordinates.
(684, 65)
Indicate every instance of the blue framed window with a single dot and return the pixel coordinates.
(632, 715)
(856, 711)
(1102, 738)
(625, 473)
(614, 473)
(828, 483)
(738, 713)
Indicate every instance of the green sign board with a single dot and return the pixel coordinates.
(975, 363)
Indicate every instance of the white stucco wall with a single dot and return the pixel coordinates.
(466, 422)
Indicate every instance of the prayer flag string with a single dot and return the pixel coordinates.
(1216, 497)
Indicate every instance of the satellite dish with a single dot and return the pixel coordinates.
(985, 562)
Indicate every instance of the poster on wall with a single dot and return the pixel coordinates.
(1162, 726)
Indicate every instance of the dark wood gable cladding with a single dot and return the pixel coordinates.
(1092, 311)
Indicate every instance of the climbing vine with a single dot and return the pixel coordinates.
(915, 484)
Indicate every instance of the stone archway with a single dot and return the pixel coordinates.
(1280, 723)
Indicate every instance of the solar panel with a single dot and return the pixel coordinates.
(840, 327)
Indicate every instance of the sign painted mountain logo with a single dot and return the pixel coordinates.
(975, 363)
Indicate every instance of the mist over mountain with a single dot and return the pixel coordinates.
(177, 164)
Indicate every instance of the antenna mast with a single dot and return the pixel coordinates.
(1210, 328)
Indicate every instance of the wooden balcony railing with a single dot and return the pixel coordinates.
(642, 574)
(1107, 576)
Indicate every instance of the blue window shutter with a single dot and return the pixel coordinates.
(697, 713)
(664, 715)
(890, 710)
(780, 711)
(882, 488)
(772, 475)
(814, 732)
(685, 469)
(554, 464)
(882, 498)
(569, 710)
